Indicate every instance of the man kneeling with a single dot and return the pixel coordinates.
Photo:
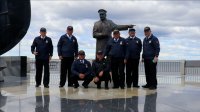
(81, 70)
(101, 68)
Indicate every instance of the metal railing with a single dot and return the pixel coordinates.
(164, 67)
(169, 72)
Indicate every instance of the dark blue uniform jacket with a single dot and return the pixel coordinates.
(67, 47)
(44, 47)
(151, 47)
(84, 68)
(116, 49)
(133, 48)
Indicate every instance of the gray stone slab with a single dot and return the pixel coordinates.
(16, 66)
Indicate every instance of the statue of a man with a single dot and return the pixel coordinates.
(103, 28)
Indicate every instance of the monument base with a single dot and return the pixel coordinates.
(16, 66)
(2, 66)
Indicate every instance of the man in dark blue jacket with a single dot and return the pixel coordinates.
(151, 49)
(42, 48)
(81, 70)
(67, 50)
(116, 50)
(133, 49)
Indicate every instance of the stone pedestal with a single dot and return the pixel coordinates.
(16, 66)
(2, 66)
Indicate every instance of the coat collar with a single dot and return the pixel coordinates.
(101, 60)
(79, 60)
(150, 37)
(113, 39)
(132, 38)
(67, 36)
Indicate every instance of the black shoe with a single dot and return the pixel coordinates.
(115, 87)
(136, 86)
(122, 87)
(128, 86)
(152, 87)
(1, 80)
(145, 86)
(37, 85)
(70, 85)
(46, 86)
(85, 86)
(98, 87)
(76, 86)
(106, 88)
(61, 86)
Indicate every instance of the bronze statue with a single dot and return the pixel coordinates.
(103, 28)
(15, 18)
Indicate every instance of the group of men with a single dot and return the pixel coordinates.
(113, 53)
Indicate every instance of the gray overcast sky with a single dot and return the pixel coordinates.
(175, 23)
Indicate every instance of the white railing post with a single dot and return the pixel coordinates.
(182, 67)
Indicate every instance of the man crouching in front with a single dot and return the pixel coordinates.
(101, 68)
(81, 70)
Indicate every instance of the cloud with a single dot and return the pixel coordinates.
(175, 23)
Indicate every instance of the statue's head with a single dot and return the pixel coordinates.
(102, 14)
